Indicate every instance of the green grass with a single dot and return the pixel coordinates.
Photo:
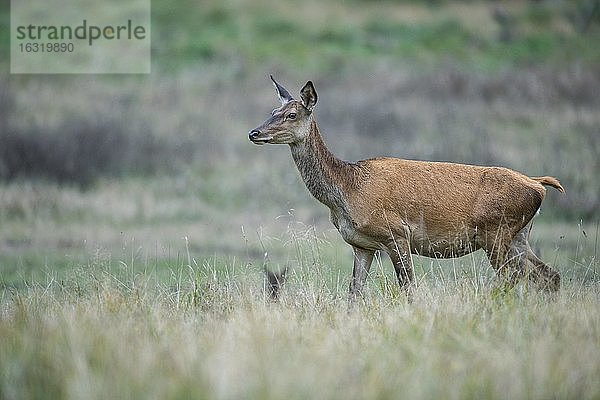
(319, 36)
(296, 35)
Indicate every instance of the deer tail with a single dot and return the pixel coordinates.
(549, 181)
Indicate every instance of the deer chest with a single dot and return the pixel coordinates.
(347, 229)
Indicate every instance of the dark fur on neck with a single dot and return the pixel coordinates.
(323, 173)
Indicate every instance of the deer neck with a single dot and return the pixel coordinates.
(325, 176)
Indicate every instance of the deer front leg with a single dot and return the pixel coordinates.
(399, 253)
(362, 262)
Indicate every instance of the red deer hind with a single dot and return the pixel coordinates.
(404, 207)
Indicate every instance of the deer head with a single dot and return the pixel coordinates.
(289, 123)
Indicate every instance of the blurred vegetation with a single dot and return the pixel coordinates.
(79, 149)
(497, 83)
(320, 35)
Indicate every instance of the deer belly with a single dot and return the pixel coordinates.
(447, 245)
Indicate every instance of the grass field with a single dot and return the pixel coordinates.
(154, 316)
(207, 330)
(136, 218)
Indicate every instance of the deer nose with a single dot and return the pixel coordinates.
(253, 134)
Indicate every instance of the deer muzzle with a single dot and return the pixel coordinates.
(257, 137)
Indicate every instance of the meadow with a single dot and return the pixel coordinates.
(208, 330)
(136, 218)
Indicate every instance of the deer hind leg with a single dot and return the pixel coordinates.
(510, 261)
(542, 274)
(399, 252)
(508, 256)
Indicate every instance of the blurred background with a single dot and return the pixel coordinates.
(155, 169)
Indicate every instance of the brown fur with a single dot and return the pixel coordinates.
(406, 207)
(550, 181)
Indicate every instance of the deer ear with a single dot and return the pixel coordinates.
(284, 95)
(308, 94)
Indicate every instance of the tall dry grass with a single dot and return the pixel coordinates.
(127, 323)
(212, 333)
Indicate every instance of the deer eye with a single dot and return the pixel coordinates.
(291, 116)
